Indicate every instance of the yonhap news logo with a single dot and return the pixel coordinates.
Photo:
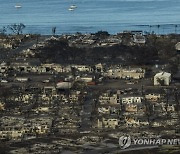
(126, 141)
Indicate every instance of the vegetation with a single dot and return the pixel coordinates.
(102, 34)
(59, 52)
(156, 49)
(16, 28)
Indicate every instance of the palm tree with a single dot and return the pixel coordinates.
(150, 26)
(176, 28)
(158, 28)
(53, 31)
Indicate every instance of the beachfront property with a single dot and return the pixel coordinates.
(139, 39)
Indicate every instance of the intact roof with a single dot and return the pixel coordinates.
(165, 74)
(177, 46)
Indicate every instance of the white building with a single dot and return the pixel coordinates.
(134, 73)
(130, 100)
(139, 38)
(162, 78)
(64, 85)
(86, 79)
(177, 46)
(82, 68)
(22, 79)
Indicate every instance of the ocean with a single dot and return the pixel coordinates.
(91, 16)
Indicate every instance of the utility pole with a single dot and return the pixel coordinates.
(53, 31)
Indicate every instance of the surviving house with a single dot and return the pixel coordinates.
(131, 99)
(162, 78)
(139, 39)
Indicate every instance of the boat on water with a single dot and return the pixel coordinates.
(71, 9)
(73, 6)
(18, 6)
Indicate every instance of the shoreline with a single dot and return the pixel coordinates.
(160, 29)
(79, 33)
(112, 28)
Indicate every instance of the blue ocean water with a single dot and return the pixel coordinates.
(114, 16)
